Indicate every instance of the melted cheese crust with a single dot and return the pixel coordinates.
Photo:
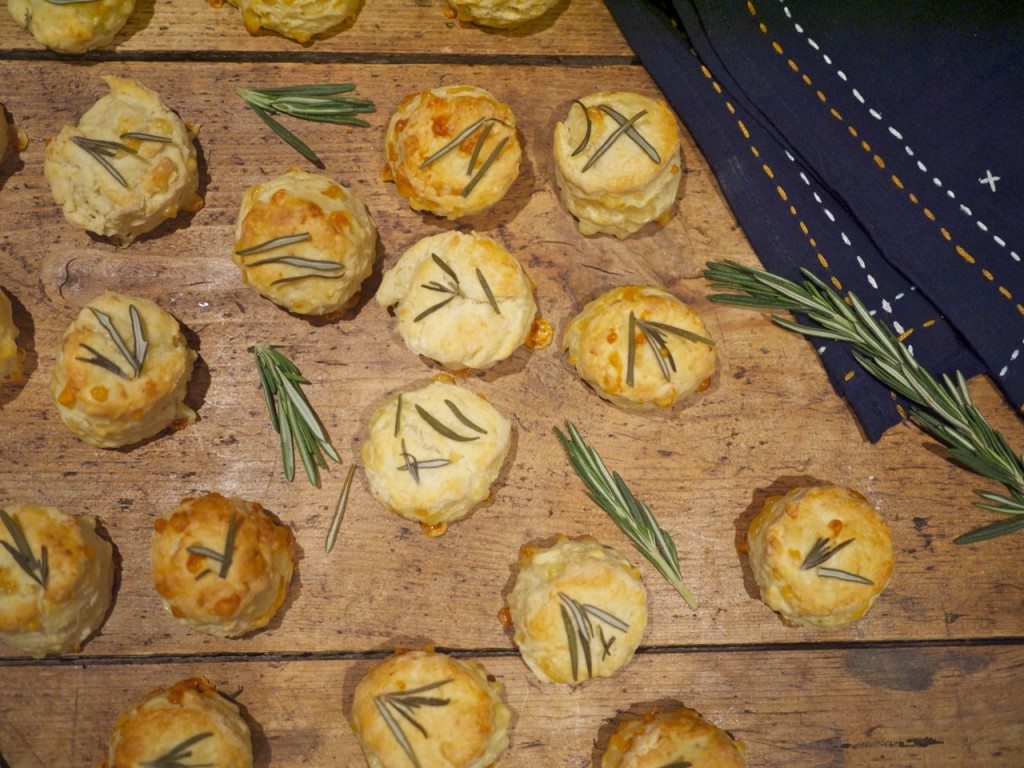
(469, 731)
(597, 342)
(466, 332)
(258, 577)
(590, 574)
(678, 737)
(106, 410)
(78, 592)
(73, 28)
(161, 178)
(786, 529)
(424, 123)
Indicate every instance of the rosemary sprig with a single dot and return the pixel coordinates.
(339, 509)
(138, 135)
(452, 289)
(102, 361)
(101, 151)
(454, 143)
(612, 138)
(277, 242)
(176, 755)
(945, 409)
(412, 465)
(476, 149)
(486, 166)
(463, 417)
(609, 491)
(443, 430)
(821, 552)
(398, 416)
(36, 569)
(637, 137)
(679, 764)
(487, 291)
(579, 630)
(317, 103)
(654, 335)
(839, 573)
(224, 558)
(291, 414)
(135, 357)
(405, 704)
(586, 136)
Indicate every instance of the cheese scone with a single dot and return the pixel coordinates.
(452, 150)
(128, 166)
(11, 358)
(122, 372)
(500, 14)
(221, 565)
(5, 135)
(821, 555)
(677, 738)
(460, 299)
(433, 453)
(188, 724)
(72, 27)
(304, 242)
(429, 710)
(640, 347)
(300, 20)
(56, 579)
(579, 610)
(617, 161)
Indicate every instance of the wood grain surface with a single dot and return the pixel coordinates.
(927, 678)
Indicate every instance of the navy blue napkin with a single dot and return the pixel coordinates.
(880, 145)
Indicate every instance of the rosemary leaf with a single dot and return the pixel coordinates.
(432, 309)
(479, 145)
(631, 350)
(398, 416)
(632, 133)
(682, 333)
(298, 261)
(175, 756)
(136, 357)
(465, 134)
(586, 136)
(487, 290)
(289, 138)
(612, 138)
(277, 242)
(485, 167)
(570, 634)
(839, 573)
(102, 361)
(100, 151)
(136, 135)
(821, 552)
(463, 417)
(296, 278)
(405, 703)
(412, 466)
(426, 464)
(339, 509)
(36, 569)
(229, 547)
(440, 428)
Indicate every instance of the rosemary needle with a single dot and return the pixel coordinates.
(339, 509)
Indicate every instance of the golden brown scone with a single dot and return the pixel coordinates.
(301, 20)
(597, 342)
(73, 27)
(820, 555)
(433, 453)
(462, 721)
(635, 180)
(500, 14)
(315, 275)
(189, 724)
(5, 134)
(454, 320)
(439, 174)
(579, 610)
(678, 738)
(11, 358)
(146, 175)
(99, 394)
(221, 565)
(57, 583)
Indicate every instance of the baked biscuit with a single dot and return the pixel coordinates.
(11, 358)
(820, 555)
(429, 710)
(616, 173)
(579, 610)
(500, 14)
(434, 452)
(72, 27)
(452, 150)
(128, 166)
(326, 243)
(221, 565)
(460, 299)
(189, 724)
(122, 372)
(301, 20)
(671, 355)
(6, 144)
(56, 579)
(677, 738)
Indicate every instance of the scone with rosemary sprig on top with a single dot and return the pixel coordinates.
(72, 27)
(673, 739)
(128, 166)
(300, 20)
(11, 358)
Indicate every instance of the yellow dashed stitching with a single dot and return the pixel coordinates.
(751, 8)
(906, 334)
(730, 107)
(706, 71)
(743, 129)
(896, 181)
(804, 229)
(821, 97)
(777, 47)
(835, 113)
(768, 171)
(852, 130)
(806, 78)
(865, 146)
(901, 411)
(1003, 290)
(927, 323)
(945, 233)
(756, 152)
(717, 87)
(966, 256)
(763, 27)
(849, 375)
(987, 274)
(836, 283)
(793, 66)
(928, 214)
(812, 242)
(879, 162)
(782, 192)
(822, 260)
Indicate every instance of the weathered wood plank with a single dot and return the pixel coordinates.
(895, 708)
(769, 421)
(403, 27)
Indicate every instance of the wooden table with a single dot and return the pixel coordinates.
(931, 677)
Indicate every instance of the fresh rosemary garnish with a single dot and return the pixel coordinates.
(476, 149)
(339, 509)
(405, 704)
(679, 764)
(101, 150)
(412, 465)
(485, 167)
(632, 133)
(225, 557)
(291, 414)
(586, 136)
(298, 261)
(135, 357)
(139, 136)
(487, 290)
(398, 416)
(488, 123)
(946, 410)
(318, 103)
(612, 138)
(579, 630)
(454, 143)
(175, 757)
(441, 429)
(654, 335)
(634, 518)
(839, 573)
(463, 417)
(277, 242)
(437, 287)
(36, 569)
(822, 552)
